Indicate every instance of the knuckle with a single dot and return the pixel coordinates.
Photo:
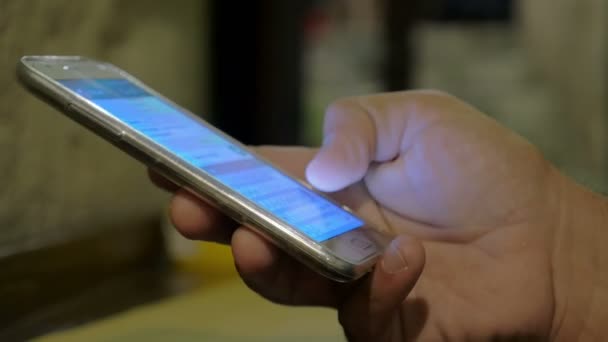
(340, 106)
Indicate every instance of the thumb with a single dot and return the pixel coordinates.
(358, 131)
(342, 160)
(369, 313)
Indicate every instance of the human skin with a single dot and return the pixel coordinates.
(491, 240)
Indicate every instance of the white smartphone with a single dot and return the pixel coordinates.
(325, 236)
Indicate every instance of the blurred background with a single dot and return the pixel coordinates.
(83, 234)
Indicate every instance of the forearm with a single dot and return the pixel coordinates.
(580, 266)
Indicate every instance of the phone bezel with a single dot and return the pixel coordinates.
(321, 256)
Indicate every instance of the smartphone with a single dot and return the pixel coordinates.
(322, 234)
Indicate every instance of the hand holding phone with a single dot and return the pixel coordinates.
(485, 202)
(487, 206)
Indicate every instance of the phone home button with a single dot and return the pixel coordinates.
(354, 247)
(361, 243)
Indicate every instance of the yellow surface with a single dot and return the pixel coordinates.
(223, 309)
(212, 261)
(226, 311)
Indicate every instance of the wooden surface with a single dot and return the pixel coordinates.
(75, 282)
(58, 181)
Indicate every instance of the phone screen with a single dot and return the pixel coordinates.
(231, 165)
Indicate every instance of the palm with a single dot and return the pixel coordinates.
(480, 197)
(481, 230)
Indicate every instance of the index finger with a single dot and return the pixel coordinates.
(198, 220)
(161, 181)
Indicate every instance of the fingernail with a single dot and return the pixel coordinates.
(394, 260)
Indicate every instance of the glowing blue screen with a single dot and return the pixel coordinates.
(236, 168)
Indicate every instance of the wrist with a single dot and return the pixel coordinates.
(580, 264)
